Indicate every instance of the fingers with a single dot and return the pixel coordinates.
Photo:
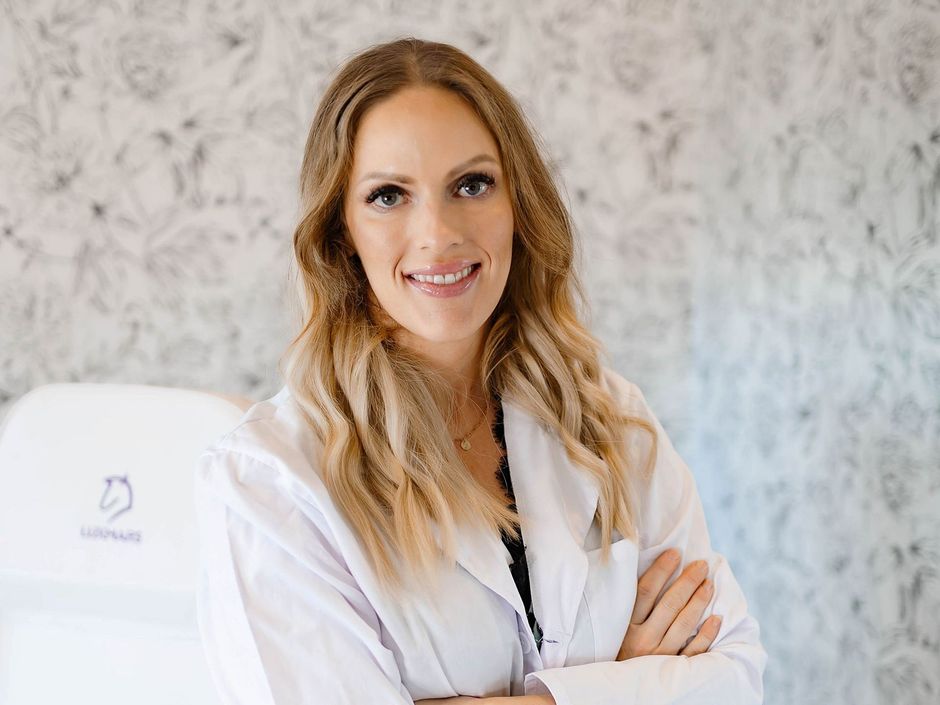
(684, 624)
(676, 598)
(667, 624)
(651, 583)
(706, 635)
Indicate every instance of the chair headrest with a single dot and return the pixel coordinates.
(96, 485)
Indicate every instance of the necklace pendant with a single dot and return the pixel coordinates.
(465, 444)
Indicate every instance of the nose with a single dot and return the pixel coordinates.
(435, 228)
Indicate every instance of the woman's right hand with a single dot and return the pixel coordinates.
(665, 627)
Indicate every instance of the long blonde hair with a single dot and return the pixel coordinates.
(388, 464)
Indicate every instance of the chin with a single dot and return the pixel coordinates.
(444, 335)
(442, 332)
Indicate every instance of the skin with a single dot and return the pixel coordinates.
(433, 213)
(424, 134)
(663, 625)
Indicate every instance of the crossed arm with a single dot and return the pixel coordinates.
(663, 623)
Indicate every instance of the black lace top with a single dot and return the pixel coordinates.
(519, 568)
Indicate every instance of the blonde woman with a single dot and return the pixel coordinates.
(451, 500)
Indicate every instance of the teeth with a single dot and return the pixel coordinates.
(442, 278)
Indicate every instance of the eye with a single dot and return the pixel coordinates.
(385, 196)
(473, 185)
(476, 184)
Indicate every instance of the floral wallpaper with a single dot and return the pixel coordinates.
(817, 339)
(755, 184)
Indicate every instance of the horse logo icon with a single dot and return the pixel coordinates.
(117, 498)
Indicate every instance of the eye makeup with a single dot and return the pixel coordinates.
(476, 177)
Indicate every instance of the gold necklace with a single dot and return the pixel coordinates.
(465, 441)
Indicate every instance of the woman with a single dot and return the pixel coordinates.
(451, 500)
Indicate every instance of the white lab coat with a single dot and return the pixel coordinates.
(290, 612)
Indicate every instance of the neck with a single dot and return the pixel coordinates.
(458, 362)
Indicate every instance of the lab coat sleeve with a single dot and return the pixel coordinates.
(282, 620)
(731, 672)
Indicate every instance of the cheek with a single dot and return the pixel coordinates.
(499, 237)
(377, 247)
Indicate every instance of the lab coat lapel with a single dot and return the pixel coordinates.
(482, 554)
(556, 500)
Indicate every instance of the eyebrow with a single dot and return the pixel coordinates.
(408, 180)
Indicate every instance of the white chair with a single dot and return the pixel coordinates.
(98, 553)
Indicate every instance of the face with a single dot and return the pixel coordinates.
(429, 215)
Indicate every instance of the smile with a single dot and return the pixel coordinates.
(444, 285)
(443, 278)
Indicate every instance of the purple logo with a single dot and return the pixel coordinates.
(117, 498)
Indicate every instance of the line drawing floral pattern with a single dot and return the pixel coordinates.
(756, 189)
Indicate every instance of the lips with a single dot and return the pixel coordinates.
(451, 267)
(445, 290)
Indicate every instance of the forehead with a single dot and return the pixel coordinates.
(420, 130)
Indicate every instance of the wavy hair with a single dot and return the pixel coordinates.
(389, 465)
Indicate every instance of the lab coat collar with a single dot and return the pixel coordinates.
(556, 501)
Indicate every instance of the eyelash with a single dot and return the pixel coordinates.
(476, 177)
